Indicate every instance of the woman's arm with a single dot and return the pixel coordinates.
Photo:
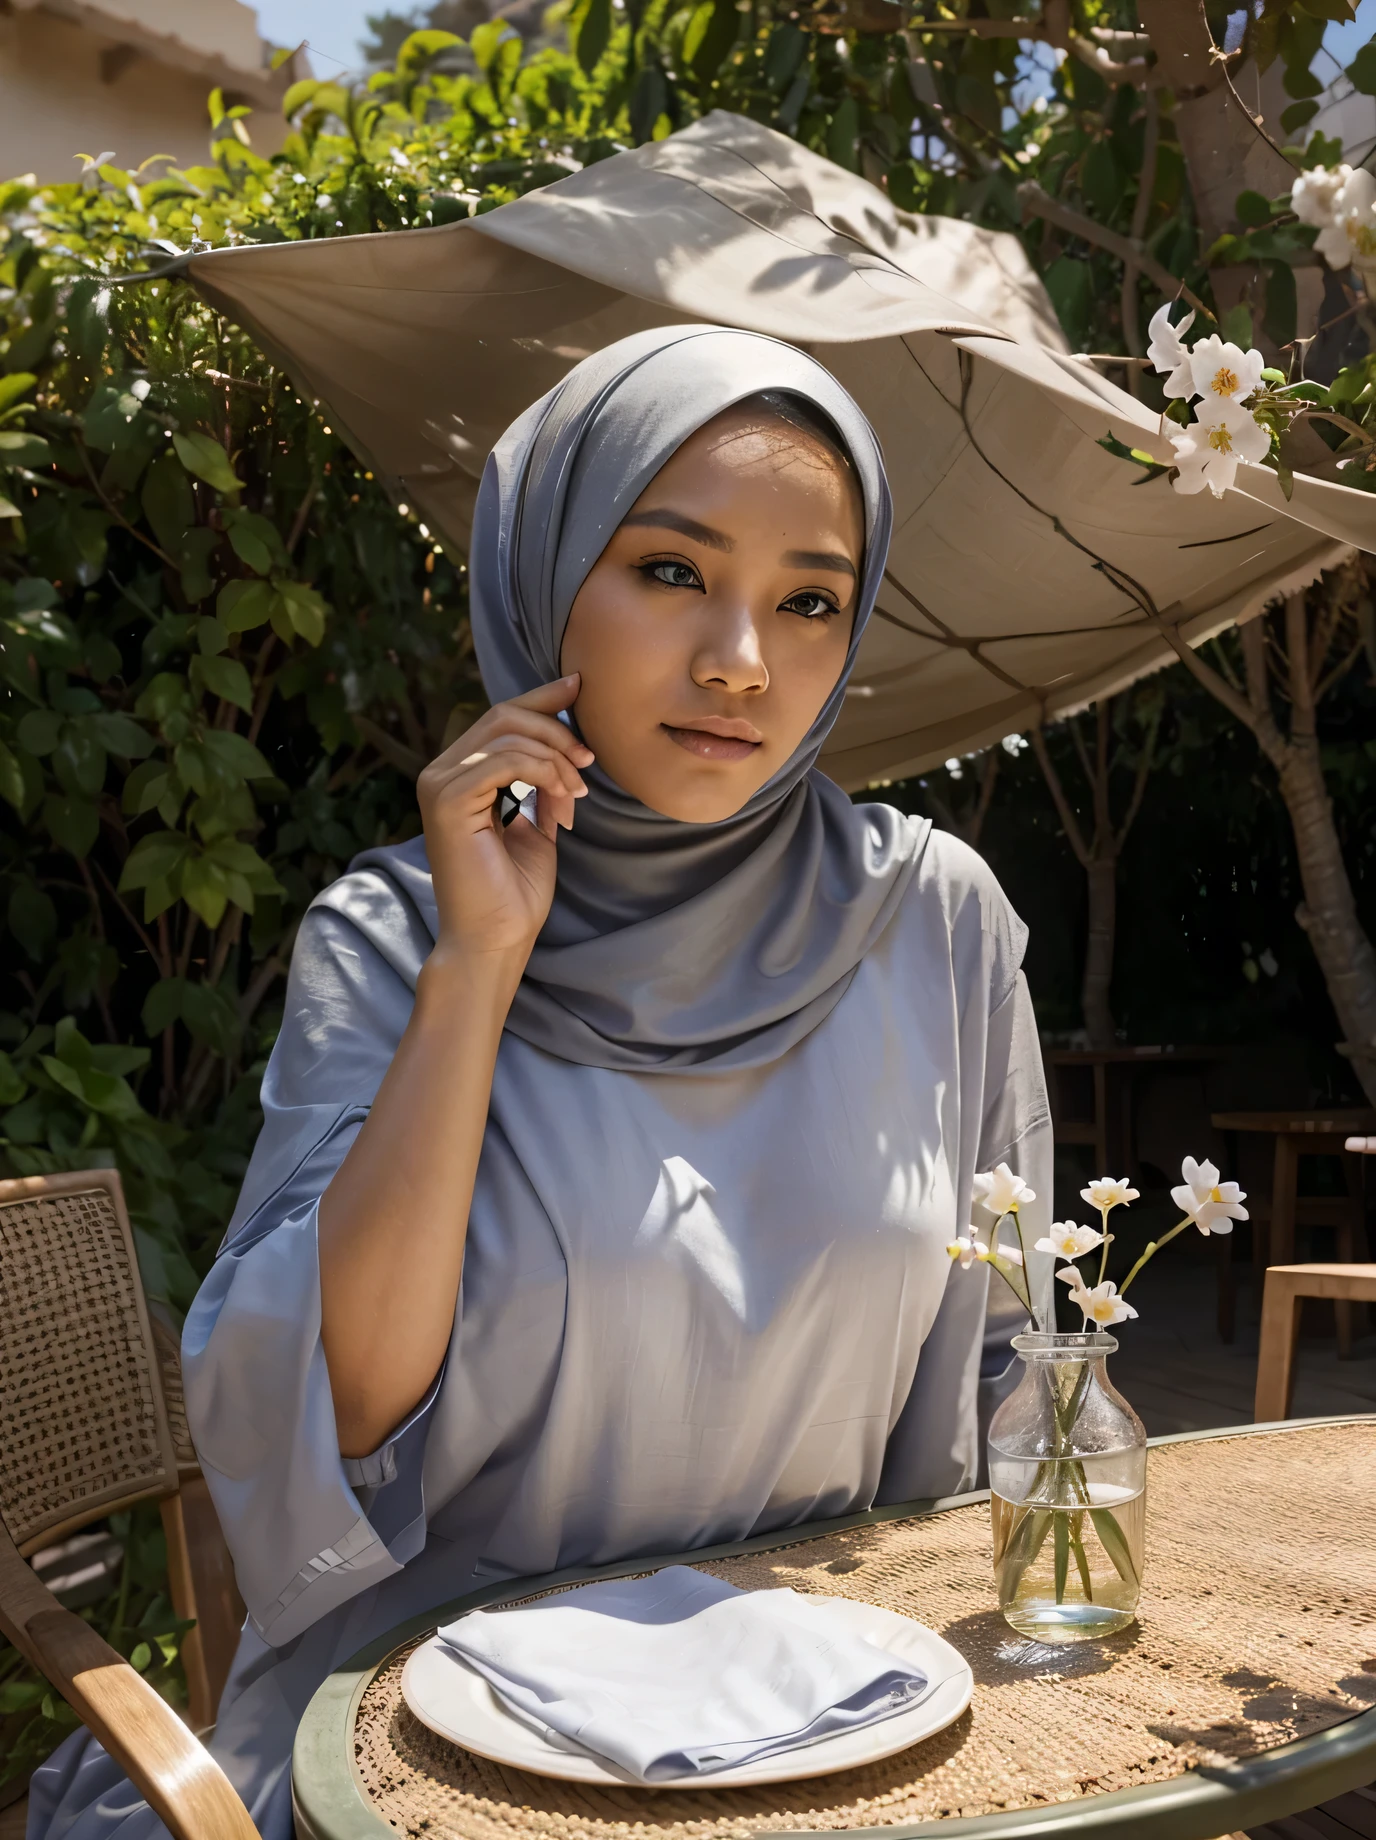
(393, 1221)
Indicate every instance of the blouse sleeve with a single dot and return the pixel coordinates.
(307, 1528)
(937, 1446)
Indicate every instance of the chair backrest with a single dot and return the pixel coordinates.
(84, 1426)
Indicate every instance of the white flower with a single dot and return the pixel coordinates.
(967, 1249)
(1314, 195)
(1068, 1241)
(1351, 236)
(1168, 351)
(1102, 1304)
(1001, 1191)
(1224, 372)
(1209, 451)
(1106, 1192)
(1212, 1205)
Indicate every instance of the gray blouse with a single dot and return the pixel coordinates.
(746, 1319)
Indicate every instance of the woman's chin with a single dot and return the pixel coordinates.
(707, 793)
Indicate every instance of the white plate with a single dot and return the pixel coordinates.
(454, 1700)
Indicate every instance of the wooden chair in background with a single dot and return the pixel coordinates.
(91, 1421)
(1280, 1324)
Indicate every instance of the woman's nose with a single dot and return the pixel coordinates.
(730, 656)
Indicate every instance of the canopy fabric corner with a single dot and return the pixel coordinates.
(1031, 571)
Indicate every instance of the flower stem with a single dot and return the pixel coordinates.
(1026, 1274)
(1152, 1248)
(1103, 1251)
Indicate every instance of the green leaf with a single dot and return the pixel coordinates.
(121, 734)
(1297, 115)
(1236, 325)
(1252, 209)
(255, 541)
(168, 503)
(205, 889)
(711, 34)
(39, 731)
(164, 695)
(17, 384)
(27, 450)
(223, 677)
(305, 609)
(844, 133)
(299, 95)
(143, 1654)
(211, 636)
(590, 31)
(1281, 317)
(1114, 1542)
(417, 50)
(154, 858)
(12, 788)
(211, 1016)
(236, 754)
(73, 823)
(32, 918)
(242, 605)
(202, 455)
(79, 762)
(162, 1007)
(1361, 72)
(109, 414)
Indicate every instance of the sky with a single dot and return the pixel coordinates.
(333, 28)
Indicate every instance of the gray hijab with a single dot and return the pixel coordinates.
(671, 946)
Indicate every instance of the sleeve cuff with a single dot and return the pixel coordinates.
(379, 1467)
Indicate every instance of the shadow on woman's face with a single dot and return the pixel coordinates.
(716, 622)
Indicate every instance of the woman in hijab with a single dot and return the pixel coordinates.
(610, 1155)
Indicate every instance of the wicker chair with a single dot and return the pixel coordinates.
(91, 1420)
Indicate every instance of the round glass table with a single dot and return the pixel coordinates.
(1246, 1690)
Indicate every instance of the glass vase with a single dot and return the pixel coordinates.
(1067, 1475)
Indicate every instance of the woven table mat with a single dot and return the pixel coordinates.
(1258, 1625)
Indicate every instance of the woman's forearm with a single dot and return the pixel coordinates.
(395, 1217)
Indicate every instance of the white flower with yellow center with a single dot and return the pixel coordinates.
(1212, 1205)
(1209, 452)
(1352, 238)
(1102, 1305)
(1106, 1192)
(1001, 1191)
(1067, 1241)
(967, 1249)
(1224, 372)
(1167, 351)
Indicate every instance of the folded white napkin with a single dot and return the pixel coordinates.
(680, 1674)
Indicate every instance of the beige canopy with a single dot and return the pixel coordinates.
(1031, 570)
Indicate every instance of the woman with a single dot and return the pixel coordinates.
(610, 1157)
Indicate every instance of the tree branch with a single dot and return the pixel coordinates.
(1037, 203)
(1138, 71)
(1069, 822)
(1261, 721)
(1301, 683)
(1144, 766)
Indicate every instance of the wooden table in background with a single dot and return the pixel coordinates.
(1300, 1133)
(1111, 1129)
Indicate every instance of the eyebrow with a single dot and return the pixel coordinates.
(684, 525)
(819, 559)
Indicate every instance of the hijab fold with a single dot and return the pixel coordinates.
(672, 946)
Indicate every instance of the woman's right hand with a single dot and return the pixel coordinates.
(494, 885)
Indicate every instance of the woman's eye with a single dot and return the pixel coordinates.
(673, 574)
(811, 606)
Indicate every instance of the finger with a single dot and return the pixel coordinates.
(473, 795)
(550, 698)
(497, 765)
(512, 719)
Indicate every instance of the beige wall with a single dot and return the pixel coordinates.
(54, 102)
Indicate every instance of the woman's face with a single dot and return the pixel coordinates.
(714, 625)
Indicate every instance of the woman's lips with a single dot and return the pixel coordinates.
(708, 745)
